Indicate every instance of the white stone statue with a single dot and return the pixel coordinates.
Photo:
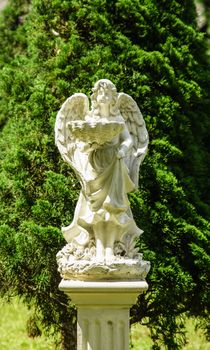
(105, 146)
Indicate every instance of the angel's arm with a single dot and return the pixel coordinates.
(126, 143)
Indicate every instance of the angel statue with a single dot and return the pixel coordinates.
(105, 145)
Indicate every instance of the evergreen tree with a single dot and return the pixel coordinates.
(153, 51)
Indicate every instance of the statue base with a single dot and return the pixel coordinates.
(72, 266)
(103, 311)
(117, 269)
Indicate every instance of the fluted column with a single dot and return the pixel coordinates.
(103, 312)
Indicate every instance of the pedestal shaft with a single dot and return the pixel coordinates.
(103, 312)
(103, 329)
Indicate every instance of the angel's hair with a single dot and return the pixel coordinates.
(107, 84)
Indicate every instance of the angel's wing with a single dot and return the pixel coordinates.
(137, 128)
(75, 107)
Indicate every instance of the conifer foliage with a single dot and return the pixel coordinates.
(153, 51)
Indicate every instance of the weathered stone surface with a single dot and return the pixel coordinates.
(105, 145)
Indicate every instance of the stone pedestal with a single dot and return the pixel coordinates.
(103, 311)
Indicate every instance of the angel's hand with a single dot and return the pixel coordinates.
(94, 145)
(83, 146)
(120, 154)
(123, 150)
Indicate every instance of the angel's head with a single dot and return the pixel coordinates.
(104, 93)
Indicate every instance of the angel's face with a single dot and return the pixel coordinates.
(104, 96)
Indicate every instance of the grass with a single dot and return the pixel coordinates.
(140, 338)
(13, 335)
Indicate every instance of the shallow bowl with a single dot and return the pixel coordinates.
(92, 131)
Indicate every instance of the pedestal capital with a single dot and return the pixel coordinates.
(107, 293)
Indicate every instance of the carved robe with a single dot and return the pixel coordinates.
(103, 203)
